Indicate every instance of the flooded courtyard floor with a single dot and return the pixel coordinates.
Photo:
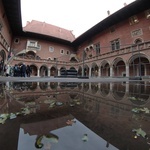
(74, 115)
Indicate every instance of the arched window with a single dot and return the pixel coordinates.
(138, 41)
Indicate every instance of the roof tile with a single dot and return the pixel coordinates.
(50, 30)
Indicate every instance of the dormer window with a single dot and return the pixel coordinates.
(62, 51)
(147, 14)
(32, 43)
(133, 20)
(68, 52)
(51, 49)
(16, 41)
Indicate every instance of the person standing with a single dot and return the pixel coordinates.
(28, 71)
(23, 70)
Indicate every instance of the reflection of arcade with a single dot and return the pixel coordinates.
(139, 93)
(105, 107)
(119, 91)
(105, 89)
(136, 93)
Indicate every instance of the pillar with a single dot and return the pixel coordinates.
(127, 70)
(38, 72)
(90, 69)
(111, 71)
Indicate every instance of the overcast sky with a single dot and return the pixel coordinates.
(76, 15)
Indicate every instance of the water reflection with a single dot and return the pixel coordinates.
(117, 114)
(58, 135)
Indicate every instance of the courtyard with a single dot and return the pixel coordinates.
(74, 113)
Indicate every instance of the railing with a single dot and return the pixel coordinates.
(125, 50)
(122, 51)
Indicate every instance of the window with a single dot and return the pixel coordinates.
(147, 13)
(138, 41)
(62, 51)
(68, 52)
(32, 43)
(16, 41)
(97, 48)
(115, 45)
(51, 49)
(133, 20)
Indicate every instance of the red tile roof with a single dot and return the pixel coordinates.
(50, 30)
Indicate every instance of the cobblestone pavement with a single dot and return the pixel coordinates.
(58, 79)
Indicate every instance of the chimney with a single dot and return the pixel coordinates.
(125, 4)
(108, 12)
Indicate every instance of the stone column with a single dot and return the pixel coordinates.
(127, 70)
(111, 71)
(58, 72)
(90, 71)
(49, 72)
(99, 71)
(38, 72)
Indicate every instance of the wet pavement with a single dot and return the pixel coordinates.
(77, 114)
(58, 79)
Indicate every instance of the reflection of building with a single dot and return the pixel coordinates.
(117, 46)
(104, 107)
(124, 94)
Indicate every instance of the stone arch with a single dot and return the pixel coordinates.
(139, 94)
(119, 91)
(73, 68)
(34, 69)
(31, 54)
(49, 58)
(138, 41)
(44, 70)
(94, 88)
(105, 68)
(43, 85)
(105, 89)
(139, 65)
(119, 67)
(33, 86)
(86, 70)
(94, 70)
(85, 87)
(53, 85)
(53, 71)
(63, 68)
(80, 71)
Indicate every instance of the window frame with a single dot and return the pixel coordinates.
(115, 44)
(62, 51)
(97, 48)
(51, 49)
(67, 52)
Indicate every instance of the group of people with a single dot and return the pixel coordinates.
(18, 70)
